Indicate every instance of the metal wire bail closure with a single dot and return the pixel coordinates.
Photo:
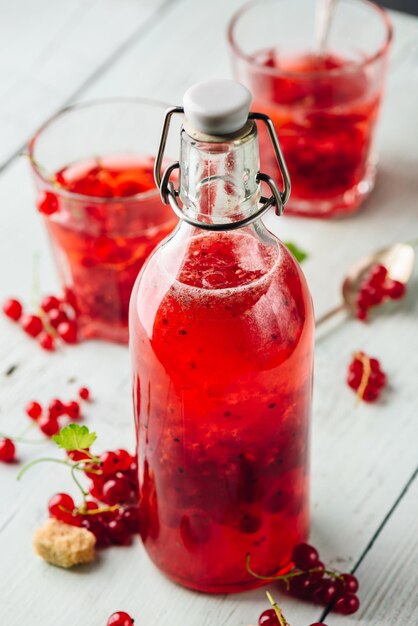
(169, 194)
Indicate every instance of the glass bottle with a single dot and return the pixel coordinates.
(221, 334)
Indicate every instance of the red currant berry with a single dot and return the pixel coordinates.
(95, 526)
(356, 366)
(116, 490)
(56, 408)
(130, 516)
(33, 410)
(347, 604)
(317, 572)
(94, 472)
(7, 450)
(108, 516)
(370, 394)
(300, 586)
(395, 289)
(61, 507)
(374, 364)
(124, 459)
(350, 583)
(118, 532)
(353, 380)
(50, 302)
(378, 378)
(109, 463)
(117, 461)
(268, 618)
(133, 466)
(120, 619)
(57, 317)
(71, 300)
(305, 556)
(363, 300)
(77, 455)
(96, 491)
(91, 505)
(377, 275)
(68, 331)
(46, 341)
(362, 314)
(326, 592)
(84, 393)
(13, 309)
(133, 479)
(375, 295)
(47, 203)
(72, 409)
(31, 324)
(48, 425)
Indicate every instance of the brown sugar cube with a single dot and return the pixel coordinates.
(64, 545)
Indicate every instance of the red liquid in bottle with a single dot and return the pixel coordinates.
(221, 340)
(103, 236)
(324, 110)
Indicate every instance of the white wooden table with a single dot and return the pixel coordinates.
(364, 470)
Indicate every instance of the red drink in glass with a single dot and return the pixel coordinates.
(109, 214)
(222, 357)
(326, 125)
(101, 247)
(324, 105)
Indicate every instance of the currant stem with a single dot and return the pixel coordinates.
(91, 456)
(42, 460)
(329, 572)
(284, 577)
(77, 482)
(367, 370)
(23, 439)
(102, 509)
(45, 321)
(279, 614)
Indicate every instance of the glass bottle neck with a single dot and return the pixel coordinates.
(218, 176)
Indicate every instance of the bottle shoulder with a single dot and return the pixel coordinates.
(265, 317)
(209, 269)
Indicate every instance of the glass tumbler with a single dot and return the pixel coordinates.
(323, 96)
(93, 172)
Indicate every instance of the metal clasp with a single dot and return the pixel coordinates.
(169, 194)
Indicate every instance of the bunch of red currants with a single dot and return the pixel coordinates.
(377, 288)
(55, 319)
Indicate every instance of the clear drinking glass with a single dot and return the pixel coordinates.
(93, 171)
(324, 102)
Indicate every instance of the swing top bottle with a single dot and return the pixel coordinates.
(221, 333)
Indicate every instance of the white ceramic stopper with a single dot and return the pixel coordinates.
(217, 107)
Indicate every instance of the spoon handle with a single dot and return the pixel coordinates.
(324, 12)
(337, 309)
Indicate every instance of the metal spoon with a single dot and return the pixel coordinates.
(399, 260)
(324, 12)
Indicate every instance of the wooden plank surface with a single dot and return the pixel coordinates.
(49, 50)
(362, 458)
(389, 570)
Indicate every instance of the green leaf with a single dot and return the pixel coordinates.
(299, 254)
(74, 437)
